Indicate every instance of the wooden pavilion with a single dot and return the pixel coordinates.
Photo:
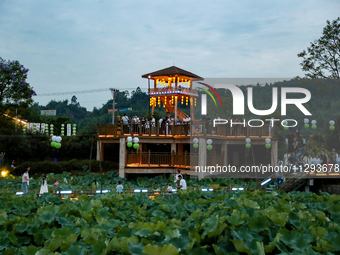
(171, 85)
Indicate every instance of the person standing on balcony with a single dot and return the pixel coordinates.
(161, 125)
(125, 120)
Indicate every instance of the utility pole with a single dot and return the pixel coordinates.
(113, 91)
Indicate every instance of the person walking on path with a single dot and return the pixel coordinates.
(25, 179)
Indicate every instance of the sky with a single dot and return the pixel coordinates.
(81, 45)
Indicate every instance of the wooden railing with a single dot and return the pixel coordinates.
(170, 159)
(197, 128)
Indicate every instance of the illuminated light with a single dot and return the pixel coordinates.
(237, 188)
(19, 193)
(144, 190)
(103, 191)
(266, 181)
(136, 190)
(64, 192)
(4, 173)
(211, 189)
(334, 174)
(204, 190)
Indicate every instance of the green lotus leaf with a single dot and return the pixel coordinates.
(258, 224)
(143, 233)
(96, 204)
(318, 231)
(87, 216)
(136, 249)
(240, 246)
(23, 240)
(39, 238)
(335, 242)
(99, 246)
(333, 209)
(47, 217)
(237, 218)
(294, 240)
(22, 226)
(167, 249)
(75, 250)
(125, 232)
(30, 250)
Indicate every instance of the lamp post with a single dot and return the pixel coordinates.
(149, 94)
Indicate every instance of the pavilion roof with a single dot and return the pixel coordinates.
(172, 71)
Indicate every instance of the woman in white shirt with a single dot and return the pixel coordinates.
(285, 159)
(309, 160)
(317, 160)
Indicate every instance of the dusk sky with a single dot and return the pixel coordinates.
(84, 45)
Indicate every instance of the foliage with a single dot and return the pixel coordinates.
(322, 58)
(14, 89)
(194, 222)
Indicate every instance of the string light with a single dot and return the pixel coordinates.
(195, 101)
(165, 101)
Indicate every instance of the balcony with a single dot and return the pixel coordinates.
(194, 129)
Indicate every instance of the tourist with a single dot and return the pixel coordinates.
(182, 183)
(125, 120)
(147, 126)
(324, 158)
(2, 155)
(333, 157)
(292, 159)
(153, 124)
(285, 159)
(309, 160)
(338, 158)
(169, 188)
(13, 166)
(119, 187)
(279, 174)
(25, 179)
(44, 186)
(300, 161)
(317, 160)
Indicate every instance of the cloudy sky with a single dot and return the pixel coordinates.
(83, 45)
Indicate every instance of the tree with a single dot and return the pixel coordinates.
(322, 58)
(74, 100)
(14, 89)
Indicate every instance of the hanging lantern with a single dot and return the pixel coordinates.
(165, 100)
(157, 81)
(195, 101)
(189, 82)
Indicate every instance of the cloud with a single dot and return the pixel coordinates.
(81, 45)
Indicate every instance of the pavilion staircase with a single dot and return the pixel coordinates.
(294, 183)
(169, 109)
(290, 184)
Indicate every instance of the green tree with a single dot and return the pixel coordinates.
(322, 58)
(14, 89)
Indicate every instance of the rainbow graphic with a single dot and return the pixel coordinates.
(213, 90)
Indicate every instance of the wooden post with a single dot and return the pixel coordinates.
(185, 158)
(149, 156)
(176, 106)
(130, 189)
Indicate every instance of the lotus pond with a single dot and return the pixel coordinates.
(190, 222)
